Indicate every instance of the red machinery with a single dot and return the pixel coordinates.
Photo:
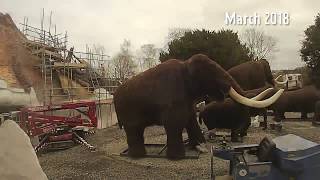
(59, 126)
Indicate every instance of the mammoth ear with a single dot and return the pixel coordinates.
(267, 71)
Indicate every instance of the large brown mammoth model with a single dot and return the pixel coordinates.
(164, 95)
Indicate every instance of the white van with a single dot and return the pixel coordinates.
(294, 81)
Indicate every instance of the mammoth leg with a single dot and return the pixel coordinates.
(135, 141)
(175, 120)
(244, 122)
(194, 132)
(175, 144)
(304, 115)
(236, 135)
(317, 112)
(279, 116)
(245, 126)
(241, 129)
(264, 124)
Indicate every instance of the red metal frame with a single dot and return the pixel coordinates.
(35, 122)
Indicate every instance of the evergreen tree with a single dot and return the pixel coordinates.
(223, 46)
(310, 51)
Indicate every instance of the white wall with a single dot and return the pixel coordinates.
(108, 115)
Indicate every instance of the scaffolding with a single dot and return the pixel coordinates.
(65, 70)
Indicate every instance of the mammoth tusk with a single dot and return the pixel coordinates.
(253, 103)
(200, 106)
(279, 82)
(262, 94)
(278, 77)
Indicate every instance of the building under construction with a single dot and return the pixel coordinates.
(38, 68)
(67, 75)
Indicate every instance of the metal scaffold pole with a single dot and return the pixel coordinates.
(68, 74)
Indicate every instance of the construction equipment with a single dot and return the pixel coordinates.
(283, 158)
(59, 126)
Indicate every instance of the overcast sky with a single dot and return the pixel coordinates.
(108, 22)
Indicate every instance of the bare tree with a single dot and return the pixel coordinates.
(148, 56)
(123, 63)
(99, 59)
(174, 33)
(98, 49)
(260, 45)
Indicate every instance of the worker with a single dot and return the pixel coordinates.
(69, 56)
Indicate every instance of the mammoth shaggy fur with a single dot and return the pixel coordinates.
(252, 74)
(301, 100)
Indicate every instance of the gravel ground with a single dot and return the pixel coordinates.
(105, 162)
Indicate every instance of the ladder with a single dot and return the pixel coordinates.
(94, 78)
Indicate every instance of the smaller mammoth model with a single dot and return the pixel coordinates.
(301, 100)
(165, 95)
(232, 115)
(253, 77)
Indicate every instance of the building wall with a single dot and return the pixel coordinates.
(106, 115)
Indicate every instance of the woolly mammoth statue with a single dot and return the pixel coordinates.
(301, 100)
(164, 95)
(232, 115)
(254, 74)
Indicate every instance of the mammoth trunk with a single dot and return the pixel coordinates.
(234, 84)
(237, 94)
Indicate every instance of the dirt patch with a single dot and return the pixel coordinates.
(105, 163)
